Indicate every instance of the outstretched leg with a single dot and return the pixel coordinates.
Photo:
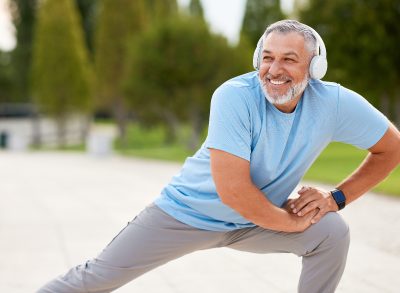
(153, 238)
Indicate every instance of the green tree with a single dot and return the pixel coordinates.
(159, 9)
(174, 68)
(88, 11)
(24, 18)
(119, 22)
(196, 9)
(6, 81)
(258, 15)
(362, 40)
(24, 15)
(61, 73)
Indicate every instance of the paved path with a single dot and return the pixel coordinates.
(57, 210)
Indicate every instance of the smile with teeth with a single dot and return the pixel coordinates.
(277, 81)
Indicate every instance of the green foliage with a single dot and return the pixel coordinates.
(196, 9)
(119, 22)
(88, 11)
(174, 68)
(6, 78)
(61, 73)
(160, 9)
(24, 18)
(258, 15)
(362, 39)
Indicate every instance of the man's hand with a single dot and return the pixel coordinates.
(303, 222)
(288, 204)
(313, 199)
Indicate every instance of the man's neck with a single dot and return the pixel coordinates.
(288, 107)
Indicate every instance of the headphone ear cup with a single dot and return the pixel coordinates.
(257, 54)
(318, 67)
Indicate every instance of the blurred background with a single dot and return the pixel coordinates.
(136, 77)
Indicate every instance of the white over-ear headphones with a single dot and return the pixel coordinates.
(318, 64)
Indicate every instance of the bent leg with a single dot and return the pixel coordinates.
(323, 246)
(323, 266)
(153, 238)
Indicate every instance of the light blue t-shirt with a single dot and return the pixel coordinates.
(280, 146)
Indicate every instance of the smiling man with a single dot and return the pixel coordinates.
(266, 129)
(284, 88)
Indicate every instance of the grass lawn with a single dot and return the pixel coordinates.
(150, 143)
(334, 164)
(339, 160)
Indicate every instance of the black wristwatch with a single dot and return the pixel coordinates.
(339, 197)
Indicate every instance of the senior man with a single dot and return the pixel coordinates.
(266, 129)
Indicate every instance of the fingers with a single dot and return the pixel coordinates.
(307, 196)
(311, 200)
(303, 189)
(306, 221)
(318, 215)
(313, 205)
(288, 205)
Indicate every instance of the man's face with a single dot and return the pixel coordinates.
(284, 67)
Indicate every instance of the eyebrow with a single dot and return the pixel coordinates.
(290, 53)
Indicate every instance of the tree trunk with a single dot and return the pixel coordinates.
(61, 121)
(172, 126)
(120, 116)
(36, 130)
(196, 128)
(85, 122)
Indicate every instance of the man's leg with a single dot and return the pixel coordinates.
(153, 238)
(323, 246)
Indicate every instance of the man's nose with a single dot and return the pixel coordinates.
(275, 68)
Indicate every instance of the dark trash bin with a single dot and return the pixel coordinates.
(3, 139)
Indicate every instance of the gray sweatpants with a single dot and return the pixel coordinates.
(154, 238)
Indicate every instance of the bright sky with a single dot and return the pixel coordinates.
(224, 17)
(7, 40)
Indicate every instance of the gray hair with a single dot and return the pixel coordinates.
(288, 26)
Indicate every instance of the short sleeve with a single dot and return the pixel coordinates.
(358, 122)
(230, 124)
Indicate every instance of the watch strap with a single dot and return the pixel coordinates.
(339, 198)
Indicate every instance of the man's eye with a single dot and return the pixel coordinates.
(290, 60)
(267, 58)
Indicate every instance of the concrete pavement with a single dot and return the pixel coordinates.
(59, 209)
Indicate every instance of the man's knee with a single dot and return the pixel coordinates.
(336, 228)
(333, 231)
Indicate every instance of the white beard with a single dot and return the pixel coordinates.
(290, 95)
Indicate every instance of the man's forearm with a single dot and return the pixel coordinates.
(384, 156)
(255, 207)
